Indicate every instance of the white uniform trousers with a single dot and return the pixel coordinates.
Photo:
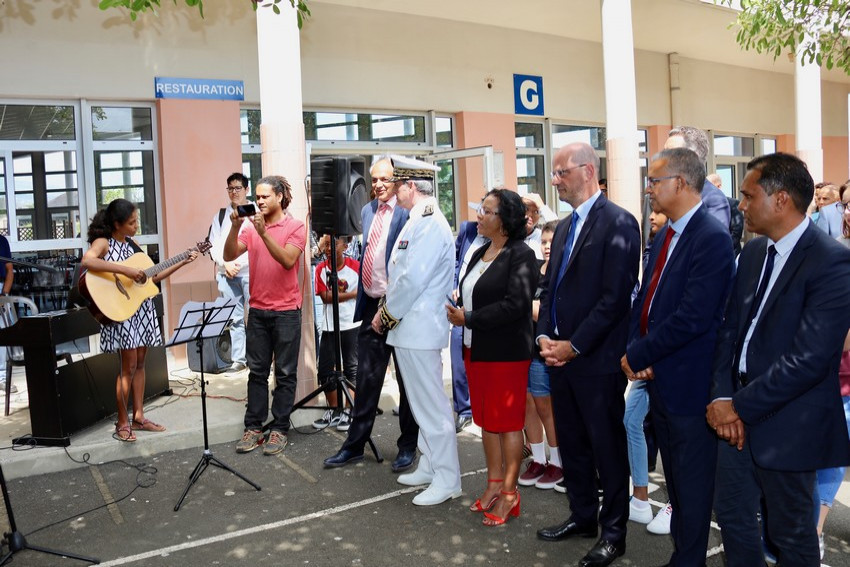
(423, 383)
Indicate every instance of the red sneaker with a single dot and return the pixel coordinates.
(532, 474)
(552, 476)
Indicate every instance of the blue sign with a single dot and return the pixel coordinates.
(208, 89)
(528, 95)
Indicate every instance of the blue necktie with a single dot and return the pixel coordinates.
(562, 269)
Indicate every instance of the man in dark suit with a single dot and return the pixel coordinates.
(382, 222)
(672, 336)
(775, 375)
(697, 140)
(582, 327)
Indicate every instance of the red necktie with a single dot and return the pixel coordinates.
(372, 243)
(653, 282)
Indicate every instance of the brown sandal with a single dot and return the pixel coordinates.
(125, 434)
(147, 425)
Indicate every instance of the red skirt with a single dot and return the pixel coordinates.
(497, 393)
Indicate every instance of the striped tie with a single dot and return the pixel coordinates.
(372, 243)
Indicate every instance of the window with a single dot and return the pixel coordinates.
(127, 175)
(445, 136)
(252, 159)
(734, 146)
(46, 195)
(768, 146)
(20, 122)
(563, 134)
(530, 159)
(351, 127)
(111, 124)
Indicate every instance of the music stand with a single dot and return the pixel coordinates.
(16, 540)
(200, 321)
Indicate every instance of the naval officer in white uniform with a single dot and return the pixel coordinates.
(420, 277)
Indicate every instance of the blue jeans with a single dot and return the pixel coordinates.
(460, 385)
(237, 290)
(637, 406)
(829, 480)
(273, 334)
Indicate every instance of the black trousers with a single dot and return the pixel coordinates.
(373, 355)
(591, 437)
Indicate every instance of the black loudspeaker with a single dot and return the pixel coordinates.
(339, 192)
(216, 354)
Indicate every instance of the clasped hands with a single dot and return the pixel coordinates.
(556, 353)
(726, 422)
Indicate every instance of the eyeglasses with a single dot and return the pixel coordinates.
(235, 189)
(564, 172)
(846, 206)
(487, 212)
(653, 181)
(383, 180)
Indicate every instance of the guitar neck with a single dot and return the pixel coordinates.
(165, 264)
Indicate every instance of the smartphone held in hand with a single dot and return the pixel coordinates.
(247, 210)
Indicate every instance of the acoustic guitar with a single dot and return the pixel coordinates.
(115, 297)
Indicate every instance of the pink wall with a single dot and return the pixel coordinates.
(199, 146)
(476, 129)
(655, 138)
(835, 159)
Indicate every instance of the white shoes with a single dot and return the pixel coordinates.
(415, 478)
(433, 495)
(638, 513)
(661, 523)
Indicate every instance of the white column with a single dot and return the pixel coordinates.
(282, 138)
(807, 102)
(621, 105)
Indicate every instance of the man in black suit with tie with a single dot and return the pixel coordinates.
(382, 222)
(583, 326)
(775, 374)
(672, 337)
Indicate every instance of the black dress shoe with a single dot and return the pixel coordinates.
(566, 530)
(404, 460)
(461, 422)
(344, 457)
(603, 554)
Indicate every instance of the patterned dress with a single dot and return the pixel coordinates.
(140, 330)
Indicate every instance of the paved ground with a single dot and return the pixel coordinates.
(121, 511)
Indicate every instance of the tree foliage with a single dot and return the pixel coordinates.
(819, 29)
(137, 7)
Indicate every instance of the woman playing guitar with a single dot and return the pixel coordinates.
(110, 235)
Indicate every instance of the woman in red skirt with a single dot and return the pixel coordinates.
(494, 309)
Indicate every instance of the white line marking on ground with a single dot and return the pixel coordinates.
(162, 552)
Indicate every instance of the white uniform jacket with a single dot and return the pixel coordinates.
(420, 276)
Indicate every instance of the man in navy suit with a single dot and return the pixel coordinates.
(672, 336)
(382, 222)
(697, 140)
(775, 375)
(583, 326)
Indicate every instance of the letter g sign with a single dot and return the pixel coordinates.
(528, 95)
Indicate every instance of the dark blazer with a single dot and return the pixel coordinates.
(685, 315)
(465, 235)
(715, 200)
(791, 405)
(594, 298)
(501, 323)
(367, 215)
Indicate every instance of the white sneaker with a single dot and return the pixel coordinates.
(660, 524)
(325, 420)
(344, 421)
(822, 546)
(638, 513)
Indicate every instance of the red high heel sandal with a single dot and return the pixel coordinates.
(494, 520)
(477, 507)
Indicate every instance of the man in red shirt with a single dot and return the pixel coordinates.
(274, 241)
